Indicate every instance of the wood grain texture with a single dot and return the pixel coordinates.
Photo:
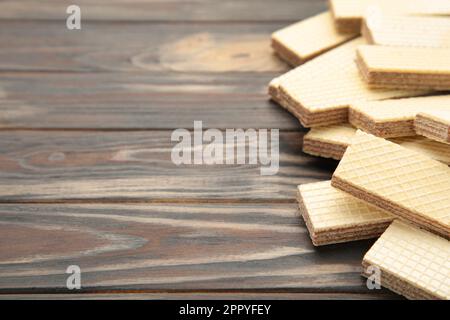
(206, 296)
(137, 166)
(171, 247)
(150, 48)
(138, 101)
(154, 10)
(85, 170)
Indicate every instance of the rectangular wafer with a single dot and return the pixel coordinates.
(411, 262)
(348, 14)
(434, 125)
(404, 67)
(328, 141)
(319, 92)
(332, 141)
(332, 216)
(307, 39)
(393, 117)
(407, 31)
(403, 182)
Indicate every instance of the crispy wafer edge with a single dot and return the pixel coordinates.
(339, 234)
(286, 54)
(307, 119)
(336, 149)
(323, 149)
(385, 129)
(390, 79)
(431, 128)
(399, 286)
(345, 24)
(294, 58)
(312, 119)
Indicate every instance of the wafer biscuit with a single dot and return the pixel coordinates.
(405, 183)
(273, 90)
(332, 216)
(412, 262)
(404, 68)
(434, 125)
(332, 141)
(394, 117)
(306, 39)
(328, 141)
(319, 92)
(407, 31)
(348, 14)
(432, 149)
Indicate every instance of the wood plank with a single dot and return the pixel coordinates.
(137, 166)
(171, 247)
(174, 10)
(205, 296)
(164, 76)
(138, 101)
(150, 48)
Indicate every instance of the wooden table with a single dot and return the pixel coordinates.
(86, 176)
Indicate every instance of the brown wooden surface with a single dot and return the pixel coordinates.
(137, 101)
(157, 10)
(257, 295)
(137, 166)
(85, 171)
(178, 247)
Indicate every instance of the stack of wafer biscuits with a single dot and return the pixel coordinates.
(332, 142)
(320, 91)
(380, 104)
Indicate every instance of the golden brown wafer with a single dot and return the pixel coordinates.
(273, 90)
(434, 125)
(407, 31)
(332, 141)
(307, 39)
(319, 92)
(332, 216)
(348, 14)
(404, 68)
(412, 262)
(393, 117)
(432, 149)
(405, 183)
(328, 141)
